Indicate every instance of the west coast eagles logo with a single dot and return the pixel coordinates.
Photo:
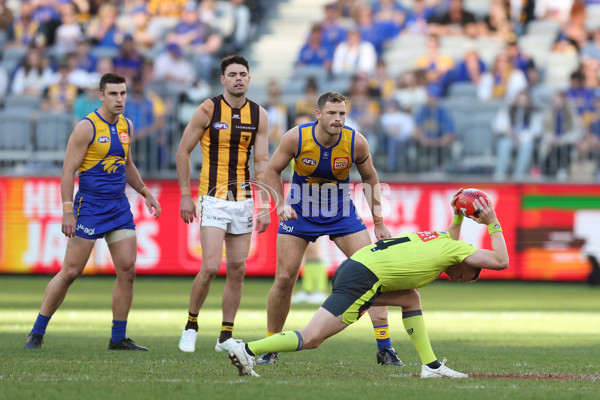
(111, 164)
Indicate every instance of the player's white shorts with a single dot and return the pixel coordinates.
(235, 217)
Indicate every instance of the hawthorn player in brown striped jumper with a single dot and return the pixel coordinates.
(227, 127)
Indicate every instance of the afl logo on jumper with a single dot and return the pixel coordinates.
(124, 137)
(309, 161)
(104, 139)
(220, 125)
(340, 163)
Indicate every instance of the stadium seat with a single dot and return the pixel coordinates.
(487, 48)
(544, 27)
(303, 72)
(294, 86)
(480, 8)
(17, 53)
(592, 16)
(3, 36)
(476, 144)
(52, 130)
(15, 140)
(454, 46)
(12, 58)
(407, 42)
(340, 83)
(559, 68)
(104, 52)
(459, 104)
(466, 90)
(399, 60)
(22, 102)
(538, 47)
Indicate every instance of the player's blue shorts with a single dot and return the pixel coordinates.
(311, 231)
(95, 216)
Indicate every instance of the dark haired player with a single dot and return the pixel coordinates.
(227, 127)
(98, 150)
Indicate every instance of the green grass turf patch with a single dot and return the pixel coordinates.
(523, 340)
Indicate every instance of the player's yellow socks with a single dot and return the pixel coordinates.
(284, 341)
(269, 334)
(314, 277)
(415, 326)
(382, 335)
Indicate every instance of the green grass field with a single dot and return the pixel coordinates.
(520, 340)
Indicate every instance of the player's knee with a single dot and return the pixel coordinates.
(69, 275)
(208, 271)
(411, 302)
(236, 271)
(127, 274)
(284, 283)
(286, 275)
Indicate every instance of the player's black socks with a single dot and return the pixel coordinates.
(435, 365)
(226, 331)
(192, 322)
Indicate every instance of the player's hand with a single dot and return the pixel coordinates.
(487, 214)
(453, 201)
(263, 219)
(381, 231)
(286, 213)
(153, 206)
(68, 224)
(187, 209)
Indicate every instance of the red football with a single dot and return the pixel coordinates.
(465, 200)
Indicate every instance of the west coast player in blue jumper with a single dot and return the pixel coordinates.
(319, 204)
(98, 150)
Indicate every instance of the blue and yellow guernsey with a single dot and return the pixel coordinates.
(320, 184)
(102, 172)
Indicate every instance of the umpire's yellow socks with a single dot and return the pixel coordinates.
(415, 327)
(282, 342)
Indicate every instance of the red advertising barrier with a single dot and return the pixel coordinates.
(549, 229)
(31, 240)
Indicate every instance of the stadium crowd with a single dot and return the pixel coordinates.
(488, 107)
(436, 87)
(53, 53)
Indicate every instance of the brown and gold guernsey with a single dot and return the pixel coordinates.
(226, 146)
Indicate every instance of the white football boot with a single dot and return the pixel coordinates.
(187, 343)
(441, 372)
(242, 360)
(226, 345)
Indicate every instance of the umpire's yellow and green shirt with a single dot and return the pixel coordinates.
(412, 260)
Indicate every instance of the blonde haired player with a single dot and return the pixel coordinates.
(319, 204)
